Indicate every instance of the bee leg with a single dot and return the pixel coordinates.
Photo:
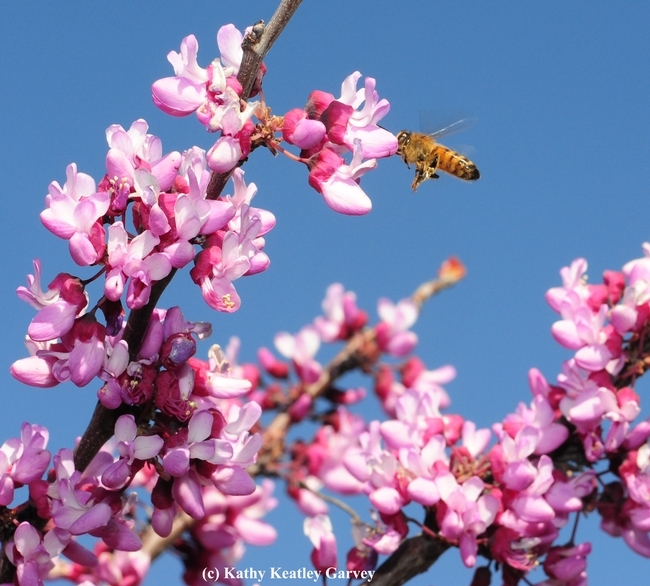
(420, 176)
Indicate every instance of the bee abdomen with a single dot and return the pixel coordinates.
(456, 164)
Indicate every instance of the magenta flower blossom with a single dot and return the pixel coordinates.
(134, 260)
(193, 213)
(585, 402)
(130, 448)
(361, 126)
(36, 370)
(300, 130)
(229, 41)
(220, 381)
(568, 564)
(393, 333)
(64, 300)
(228, 149)
(22, 460)
(415, 411)
(319, 531)
(76, 511)
(306, 499)
(342, 316)
(216, 269)
(565, 496)
(335, 448)
(133, 149)
(79, 357)
(529, 505)
(241, 199)
(338, 182)
(185, 93)
(468, 513)
(245, 445)
(73, 213)
(29, 554)
(426, 464)
(176, 460)
(301, 348)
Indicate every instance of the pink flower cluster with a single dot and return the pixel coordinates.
(171, 215)
(328, 128)
(606, 326)
(191, 455)
(511, 497)
(324, 130)
(214, 94)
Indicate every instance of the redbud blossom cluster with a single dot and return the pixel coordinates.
(170, 213)
(506, 492)
(325, 130)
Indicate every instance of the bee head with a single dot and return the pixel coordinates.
(403, 138)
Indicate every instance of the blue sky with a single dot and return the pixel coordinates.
(560, 91)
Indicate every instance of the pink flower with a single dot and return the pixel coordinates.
(301, 348)
(529, 505)
(64, 300)
(133, 260)
(198, 445)
(301, 131)
(36, 370)
(229, 41)
(22, 460)
(333, 447)
(73, 214)
(342, 316)
(130, 448)
(79, 357)
(417, 418)
(193, 213)
(185, 93)
(216, 269)
(339, 182)
(541, 416)
(241, 199)
(249, 511)
(568, 564)
(424, 466)
(75, 510)
(468, 513)
(319, 531)
(375, 142)
(133, 149)
(213, 93)
(218, 379)
(27, 552)
(585, 402)
(393, 333)
(565, 496)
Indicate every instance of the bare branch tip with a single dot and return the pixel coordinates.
(254, 36)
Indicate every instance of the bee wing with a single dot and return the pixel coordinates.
(454, 127)
(466, 150)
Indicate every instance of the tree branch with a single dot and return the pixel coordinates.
(256, 45)
(102, 424)
(414, 556)
(358, 351)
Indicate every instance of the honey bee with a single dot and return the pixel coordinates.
(428, 156)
